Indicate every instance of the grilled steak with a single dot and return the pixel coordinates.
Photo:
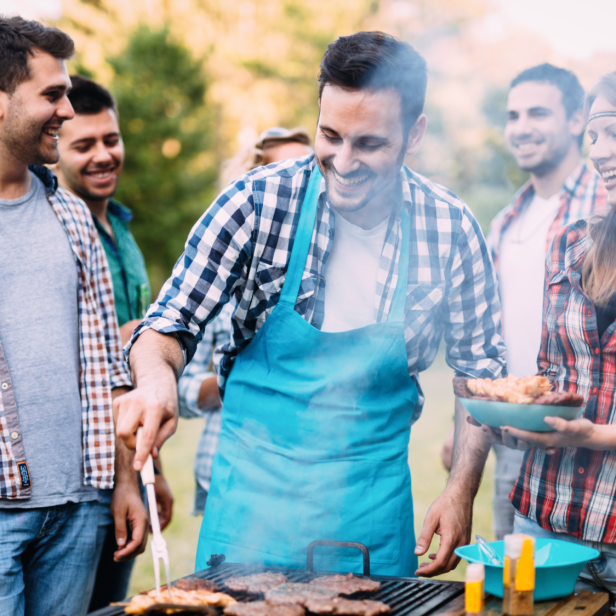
(262, 608)
(298, 593)
(256, 584)
(194, 583)
(339, 605)
(346, 584)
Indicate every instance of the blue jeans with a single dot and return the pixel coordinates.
(45, 559)
(597, 575)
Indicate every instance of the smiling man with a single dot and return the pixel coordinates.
(544, 132)
(60, 351)
(347, 269)
(91, 160)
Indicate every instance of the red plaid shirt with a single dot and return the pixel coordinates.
(574, 490)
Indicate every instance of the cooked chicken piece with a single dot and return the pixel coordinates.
(140, 603)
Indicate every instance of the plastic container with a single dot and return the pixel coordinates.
(557, 566)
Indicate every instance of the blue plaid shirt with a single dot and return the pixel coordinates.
(241, 247)
(215, 334)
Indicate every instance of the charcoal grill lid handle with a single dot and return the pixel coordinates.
(337, 544)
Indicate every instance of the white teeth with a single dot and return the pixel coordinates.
(526, 146)
(350, 182)
(606, 175)
(52, 132)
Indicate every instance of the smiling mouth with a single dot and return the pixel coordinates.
(351, 181)
(101, 175)
(527, 146)
(52, 131)
(608, 175)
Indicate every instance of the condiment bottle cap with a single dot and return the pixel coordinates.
(513, 545)
(475, 572)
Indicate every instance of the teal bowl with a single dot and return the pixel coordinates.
(522, 416)
(557, 566)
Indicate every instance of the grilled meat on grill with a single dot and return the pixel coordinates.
(140, 603)
(263, 608)
(298, 593)
(346, 584)
(256, 584)
(192, 583)
(339, 605)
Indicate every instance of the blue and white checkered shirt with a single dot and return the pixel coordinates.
(215, 334)
(240, 248)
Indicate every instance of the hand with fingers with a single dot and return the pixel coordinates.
(566, 433)
(129, 514)
(450, 517)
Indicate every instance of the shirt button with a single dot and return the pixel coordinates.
(581, 471)
(14, 435)
(4, 385)
(104, 382)
(594, 390)
(597, 351)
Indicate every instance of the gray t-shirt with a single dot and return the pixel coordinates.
(39, 333)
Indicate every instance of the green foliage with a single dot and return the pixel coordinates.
(168, 131)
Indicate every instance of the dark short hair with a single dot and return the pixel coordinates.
(19, 38)
(570, 88)
(377, 61)
(88, 97)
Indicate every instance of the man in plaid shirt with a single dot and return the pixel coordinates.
(57, 442)
(301, 353)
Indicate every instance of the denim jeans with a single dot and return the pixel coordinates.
(597, 575)
(46, 556)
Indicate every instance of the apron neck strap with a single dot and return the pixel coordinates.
(303, 236)
(301, 246)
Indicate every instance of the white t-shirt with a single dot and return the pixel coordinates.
(522, 276)
(350, 275)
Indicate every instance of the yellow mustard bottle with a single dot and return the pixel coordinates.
(474, 588)
(523, 590)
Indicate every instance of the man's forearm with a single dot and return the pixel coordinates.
(470, 451)
(124, 472)
(155, 356)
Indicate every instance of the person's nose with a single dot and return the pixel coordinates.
(101, 154)
(65, 110)
(345, 161)
(601, 153)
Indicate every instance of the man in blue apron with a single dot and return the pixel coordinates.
(347, 269)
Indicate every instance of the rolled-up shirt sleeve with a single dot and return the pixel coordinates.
(208, 272)
(472, 310)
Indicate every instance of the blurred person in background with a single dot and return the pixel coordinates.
(566, 488)
(544, 132)
(347, 269)
(197, 387)
(91, 159)
(60, 356)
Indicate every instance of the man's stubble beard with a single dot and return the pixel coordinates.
(22, 138)
(547, 166)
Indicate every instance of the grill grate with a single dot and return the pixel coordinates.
(405, 596)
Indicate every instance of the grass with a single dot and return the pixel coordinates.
(428, 475)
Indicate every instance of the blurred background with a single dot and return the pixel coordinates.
(198, 79)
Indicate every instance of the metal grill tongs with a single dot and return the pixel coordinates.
(158, 544)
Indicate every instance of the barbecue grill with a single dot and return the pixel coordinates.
(405, 596)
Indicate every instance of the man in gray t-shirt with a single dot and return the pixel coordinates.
(60, 351)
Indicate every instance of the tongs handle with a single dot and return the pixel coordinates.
(147, 472)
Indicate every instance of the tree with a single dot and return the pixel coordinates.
(168, 177)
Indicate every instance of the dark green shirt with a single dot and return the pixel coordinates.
(131, 287)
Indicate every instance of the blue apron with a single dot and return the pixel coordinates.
(314, 438)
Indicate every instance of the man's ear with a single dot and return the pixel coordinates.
(577, 123)
(4, 104)
(416, 135)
